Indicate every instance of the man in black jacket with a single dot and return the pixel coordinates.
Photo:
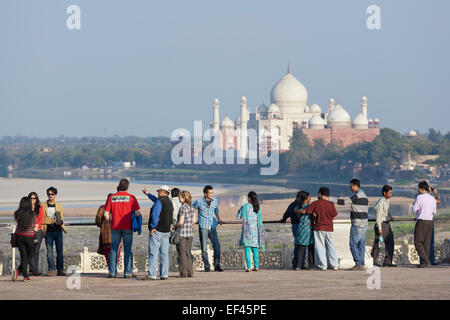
(159, 227)
(289, 213)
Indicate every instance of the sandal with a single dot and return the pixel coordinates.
(255, 269)
(248, 270)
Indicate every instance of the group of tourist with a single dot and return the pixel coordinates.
(174, 211)
(37, 221)
(312, 227)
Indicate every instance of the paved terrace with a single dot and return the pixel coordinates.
(405, 282)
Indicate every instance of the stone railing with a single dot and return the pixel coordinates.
(91, 262)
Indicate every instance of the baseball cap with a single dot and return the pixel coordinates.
(165, 188)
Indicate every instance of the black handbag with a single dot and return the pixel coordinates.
(13, 240)
(174, 237)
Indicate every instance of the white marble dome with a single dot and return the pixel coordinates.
(274, 108)
(316, 122)
(412, 133)
(315, 108)
(289, 94)
(338, 114)
(227, 123)
(360, 122)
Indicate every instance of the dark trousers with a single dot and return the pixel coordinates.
(26, 248)
(184, 257)
(204, 234)
(57, 238)
(388, 239)
(432, 258)
(301, 255)
(422, 238)
(34, 267)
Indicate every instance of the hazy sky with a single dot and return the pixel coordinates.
(147, 67)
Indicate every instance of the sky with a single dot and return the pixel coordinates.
(146, 68)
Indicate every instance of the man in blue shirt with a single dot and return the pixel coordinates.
(208, 210)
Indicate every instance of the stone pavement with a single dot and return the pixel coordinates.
(403, 282)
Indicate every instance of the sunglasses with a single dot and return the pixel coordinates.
(50, 194)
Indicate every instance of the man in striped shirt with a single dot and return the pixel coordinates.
(208, 209)
(360, 222)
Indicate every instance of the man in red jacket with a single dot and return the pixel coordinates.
(324, 213)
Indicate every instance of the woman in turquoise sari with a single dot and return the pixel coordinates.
(252, 236)
(303, 231)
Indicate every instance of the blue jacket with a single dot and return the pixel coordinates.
(136, 223)
(155, 211)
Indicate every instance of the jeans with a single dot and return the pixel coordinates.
(248, 256)
(26, 249)
(204, 234)
(358, 243)
(324, 250)
(34, 266)
(57, 238)
(127, 237)
(159, 242)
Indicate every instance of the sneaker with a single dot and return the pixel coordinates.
(15, 275)
(354, 268)
(207, 269)
(164, 278)
(336, 269)
(26, 279)
(51, 273)
(323, 269)
(218, 269)
(128, 276)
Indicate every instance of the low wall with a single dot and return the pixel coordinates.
(91, 262)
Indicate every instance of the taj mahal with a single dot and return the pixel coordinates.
(289, 109)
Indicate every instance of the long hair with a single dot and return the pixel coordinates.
(37, 204)
(24, 215)
(303, 196)
(187, 197)
(254, 201)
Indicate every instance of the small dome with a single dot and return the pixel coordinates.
(243, 99)
(317, 121)
(376, 120)
(364, 98)
(338, 115)
(216, 101)
(274, 108)
(360, 120)
(412, 133)
(315, 108)
(262, 108)
(227, 122)
(370, 120)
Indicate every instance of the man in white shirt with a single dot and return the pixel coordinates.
(176, 204)
(383, 229)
